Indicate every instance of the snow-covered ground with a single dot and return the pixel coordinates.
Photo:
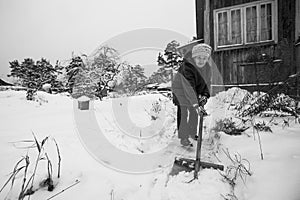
(277, 176)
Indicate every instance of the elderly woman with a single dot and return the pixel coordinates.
(190, 92)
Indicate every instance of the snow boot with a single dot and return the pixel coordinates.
(185, 142)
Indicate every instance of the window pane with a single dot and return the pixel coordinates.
(266, 22)
(251, 24)
(222, 29)
(236, 33)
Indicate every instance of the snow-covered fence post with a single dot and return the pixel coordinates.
(260, 146)
(253, 129)
(255, 126)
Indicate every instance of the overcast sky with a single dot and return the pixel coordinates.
(53, 29)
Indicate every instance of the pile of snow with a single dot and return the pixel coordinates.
(219, 106)
(233, 95)
(83, 98)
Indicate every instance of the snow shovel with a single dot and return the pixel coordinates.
(188, 165)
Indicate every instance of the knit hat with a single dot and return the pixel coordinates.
(201, 49)
(187, 48)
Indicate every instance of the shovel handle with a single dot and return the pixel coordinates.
(199, 144)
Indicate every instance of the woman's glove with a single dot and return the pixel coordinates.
(202, 100)
(200, 110)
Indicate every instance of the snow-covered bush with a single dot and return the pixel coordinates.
(238, 169)
(266, 102)
(262, 126)
(284, 103)
(229, 127)
(155, 109)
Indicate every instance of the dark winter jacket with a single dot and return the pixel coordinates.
(188, 84)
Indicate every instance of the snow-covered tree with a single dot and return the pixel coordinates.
(72, 71)
(84, 85)
(81, 79)
(104, 67)
(133, 79)
(171, 58)
(33, 74)
(59, 84)
(93, 75)
(159, 76)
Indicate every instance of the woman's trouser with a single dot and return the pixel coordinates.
(187, 121)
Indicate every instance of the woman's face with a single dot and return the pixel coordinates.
(201, 60)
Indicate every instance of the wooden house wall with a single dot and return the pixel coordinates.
(227, 60)
(297, 36)
(297, 53)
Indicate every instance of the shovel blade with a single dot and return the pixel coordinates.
(182, 164)
(188, 165)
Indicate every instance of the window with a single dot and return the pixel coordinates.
(251, 24)
(245, 24)
(266, 22)
(236, 25)
(229, 27)
(223, 28)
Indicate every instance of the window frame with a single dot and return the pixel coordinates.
(242, 8)
(229, 35)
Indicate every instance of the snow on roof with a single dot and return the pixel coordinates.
(152, 85)
(165, 85)
(83, 98)
(46, 86)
